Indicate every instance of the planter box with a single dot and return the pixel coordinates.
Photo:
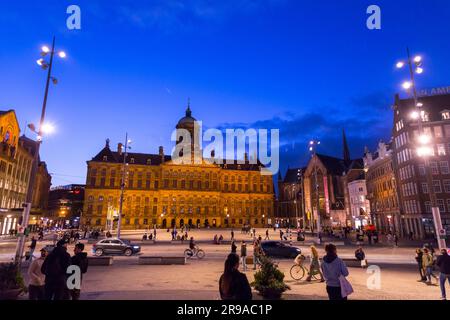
(147, 260)
(173, 260)
(156, 260)
(100, 261)
(352, 263)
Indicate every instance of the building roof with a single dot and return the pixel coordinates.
(434, 105)
(155, 159)
(338, 166)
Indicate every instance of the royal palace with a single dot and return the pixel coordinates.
(160, 192)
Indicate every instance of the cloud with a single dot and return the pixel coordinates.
(367, 122)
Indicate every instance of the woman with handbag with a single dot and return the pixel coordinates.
(334, 271)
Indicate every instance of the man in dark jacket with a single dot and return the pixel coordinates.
(55, 268)
(79, 259)
(443, 262)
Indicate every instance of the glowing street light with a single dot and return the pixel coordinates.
(400, 64)
(414, 115)
(48, 128)
(417, 59)
(407, 85)
(424, 139)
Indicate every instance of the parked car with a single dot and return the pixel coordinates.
(277, 249)
(115, 246)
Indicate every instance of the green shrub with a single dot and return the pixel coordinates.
(11, 277)
(269, 281)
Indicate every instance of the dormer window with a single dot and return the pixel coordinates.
(105, 158)
(445, 114)
(149, 161)
(132, 160)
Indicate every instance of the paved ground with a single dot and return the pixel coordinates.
(198, 279)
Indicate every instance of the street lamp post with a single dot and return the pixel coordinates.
(301, 173)
(122, 184)
(40, 131)
(312, 148)
(424, 151)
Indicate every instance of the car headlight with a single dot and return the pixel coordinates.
(136, 247)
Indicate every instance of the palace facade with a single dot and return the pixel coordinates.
(160, 192)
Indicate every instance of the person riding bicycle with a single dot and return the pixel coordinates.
(192, 245)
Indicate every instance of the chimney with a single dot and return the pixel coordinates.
(246, 157)
(161, 153)
(119, 148)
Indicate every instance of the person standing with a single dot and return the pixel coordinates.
(55, 268)
(244, 255)
(267, 235)
(79, 259)
(32, 247)
(232, 235)
(427, 264)
(154, 232)
(314, 267)
(233, 247)
(443, 262)
(37, 278)
(419, 260)
(233, 285)
(281, 235)
(333, 268)
(396, 239)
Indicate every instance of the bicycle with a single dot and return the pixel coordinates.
(189, 253)
(298, 272)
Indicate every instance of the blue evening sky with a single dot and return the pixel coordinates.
(309, 68)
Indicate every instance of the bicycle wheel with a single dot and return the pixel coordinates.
(188, 253)
(297, 272)
(200, 254)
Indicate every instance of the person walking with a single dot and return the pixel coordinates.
(267, 235)
(154, 232)
(37, 278)
(419, 259)
(32, 247)
(314, 267)
(443, 262)
(55, 268)
(256, 253)
(427, 265)
(232, 235)
(396, 239)
(361, 257)
(79, 259)
(233, 285)
(333, 268)
(281, 235)
(233, 247)
(244, 255)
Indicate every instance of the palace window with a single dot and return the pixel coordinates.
(438, 132)
(437, 186)
(444, 167)
(441, 205)
(446, 186)
(428, 206)
(445, 115)
(424, 187)
(434, 167)
(441, 149)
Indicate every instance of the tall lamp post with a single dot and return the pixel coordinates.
(300, 174)
(43, 128)
(312, 148)
(424, 150)
(122, 183)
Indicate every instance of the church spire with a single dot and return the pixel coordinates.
(188, 110)
(345, 147)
